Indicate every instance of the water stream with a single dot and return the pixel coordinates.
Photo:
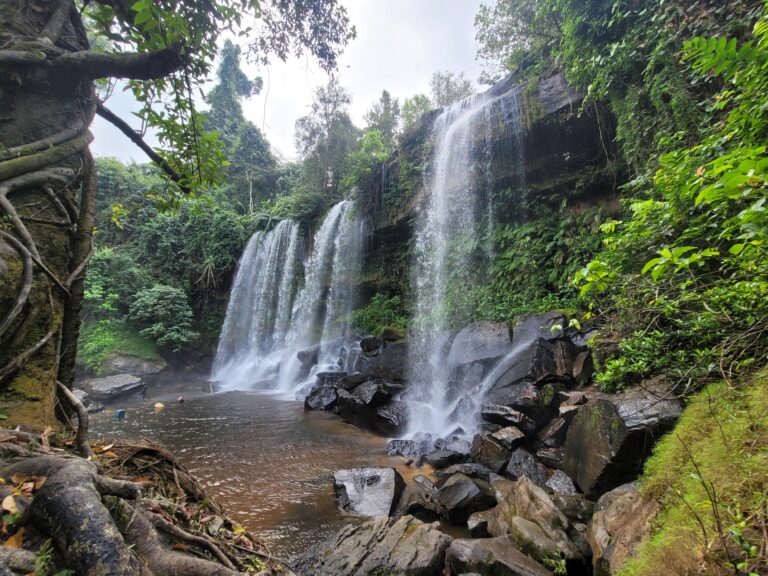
(267, 322)
(454, 236)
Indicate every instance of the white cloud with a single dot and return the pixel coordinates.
(399, 44)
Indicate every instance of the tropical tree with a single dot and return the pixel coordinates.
(449, 87)
(414, 107)
(324, 138)
(384, 116)
(250, 173)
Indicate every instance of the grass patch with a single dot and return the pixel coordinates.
(711, 477)
(100, 339)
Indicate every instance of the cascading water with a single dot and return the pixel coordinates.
(452, 225)
(259, 309)
(265, 325)
(324, 305)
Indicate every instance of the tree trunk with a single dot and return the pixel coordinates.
(46, 206)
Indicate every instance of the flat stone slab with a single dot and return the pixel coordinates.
(112, 387)
(368, 491)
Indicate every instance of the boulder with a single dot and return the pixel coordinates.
(531, 327)
(321, 397)
(350, 381)
(553, 435)
(611, 436)
(410, 448)
(488, 452)
(404, 546)
(560, 483)
(551, 457)
(370, 344)
(620, 521)
(477, 523)
(385, 420)
(481, 341)
(583, 368)
(575, 506)
(416, 500)
(510, 437)
(309, 356)
(391, 334)
(470, 469)
(328, 378)
(529, 515)
(368, 491)
(391, 420)
(506, 416)
(372, 393)
(124, 364)
(523, 463)
(111, 387)
(537, 401)
(493, 556)
(459, 496)
(442, 458)
(388, 364)
(90, 404)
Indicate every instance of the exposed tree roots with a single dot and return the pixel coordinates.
(96, 522)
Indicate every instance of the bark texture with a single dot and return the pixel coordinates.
(44, 162)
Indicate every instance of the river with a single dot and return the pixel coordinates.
(264, 459)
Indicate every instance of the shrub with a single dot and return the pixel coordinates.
(166, 316)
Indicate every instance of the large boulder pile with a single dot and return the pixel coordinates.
(541, 484)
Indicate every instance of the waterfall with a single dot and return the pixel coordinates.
(265, 325)
(321, 315)
(454, 238)
(258, 313)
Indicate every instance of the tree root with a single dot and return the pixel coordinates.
(17, 560)
(81, 437)
(172, 530)
(26, 286)
(101, 525)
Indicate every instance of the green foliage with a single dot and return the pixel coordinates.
(366, 161)
(113, 279)
(381, 312)
(324, 138)
(104, 337)
(688, 269)
(414, 108)
(250, 173)
(710, 476)
(166, 315)
(320, 27)
(449, 87)
(384, 117)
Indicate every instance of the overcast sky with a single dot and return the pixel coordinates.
(399, 44)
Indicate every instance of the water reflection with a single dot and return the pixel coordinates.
(263, 458)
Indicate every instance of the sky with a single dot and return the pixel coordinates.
(399, 44)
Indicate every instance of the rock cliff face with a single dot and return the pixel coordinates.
(559, 159)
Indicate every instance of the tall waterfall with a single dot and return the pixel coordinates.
(259, 310)
(454, 235)
(267, 322)
(321, 315)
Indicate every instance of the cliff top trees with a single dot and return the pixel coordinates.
(164, 49)
(324, 138)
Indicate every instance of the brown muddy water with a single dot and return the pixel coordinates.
(264, 459)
